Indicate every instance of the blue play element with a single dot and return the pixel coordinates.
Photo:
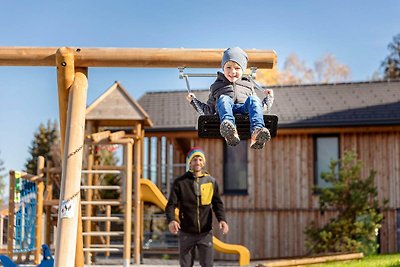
(25, 215)
(7, 262)
(47, 260)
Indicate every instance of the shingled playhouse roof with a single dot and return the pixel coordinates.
(316, 105)
(116, 108)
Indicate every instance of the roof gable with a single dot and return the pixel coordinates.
(117, 106)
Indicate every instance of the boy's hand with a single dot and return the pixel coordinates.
(174, 227)
(190, 97)
(269, 92)
(224, 227)
(268, 100)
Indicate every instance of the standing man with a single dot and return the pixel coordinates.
(196, 195)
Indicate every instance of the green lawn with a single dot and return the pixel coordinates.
(388, 260)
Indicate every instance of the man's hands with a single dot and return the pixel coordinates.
(174, 227)
(224, 227)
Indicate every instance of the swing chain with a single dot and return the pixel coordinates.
(195, 102)
(268, 99)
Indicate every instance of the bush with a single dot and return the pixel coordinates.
(356, 226)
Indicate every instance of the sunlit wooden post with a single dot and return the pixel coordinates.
(49, 196)
(89, 196)
(65, 77)
(39, 208)
(128, 204)
(79, 257)
(136, 178)
(108, 229)
(67, 226)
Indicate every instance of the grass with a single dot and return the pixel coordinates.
(387, 260)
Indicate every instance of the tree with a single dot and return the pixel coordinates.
(45, 143)
(355, 199)
(295, 71)
(391, 64)
(2, 178)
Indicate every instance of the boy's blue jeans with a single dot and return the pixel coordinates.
(252, 106)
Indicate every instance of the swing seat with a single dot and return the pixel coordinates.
(208, 125)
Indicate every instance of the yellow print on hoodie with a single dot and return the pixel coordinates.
(207, 191)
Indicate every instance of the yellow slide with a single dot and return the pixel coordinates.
(151, 193)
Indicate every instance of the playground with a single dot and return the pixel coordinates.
(65, 209)
(73, 225)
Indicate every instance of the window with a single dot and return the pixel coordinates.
(235, 169)
(326, 148)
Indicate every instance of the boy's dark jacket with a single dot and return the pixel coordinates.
(196, 198)
(238, 91)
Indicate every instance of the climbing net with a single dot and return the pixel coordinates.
(25, 214)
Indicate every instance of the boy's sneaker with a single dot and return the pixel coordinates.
(229, 132)
(259, 137)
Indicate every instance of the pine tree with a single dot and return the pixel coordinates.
(355, 199)
(391, 64)
(2, 180)
(42, 145)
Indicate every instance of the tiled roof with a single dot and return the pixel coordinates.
(317, 105)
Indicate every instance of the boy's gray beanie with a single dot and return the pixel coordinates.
(235, 54)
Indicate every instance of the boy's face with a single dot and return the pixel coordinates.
(197, 164)
(232, 71)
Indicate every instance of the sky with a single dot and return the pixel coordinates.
(356, 32)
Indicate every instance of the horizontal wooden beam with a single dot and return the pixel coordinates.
(313, 260)
(132, 57)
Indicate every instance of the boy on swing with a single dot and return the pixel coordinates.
(232, 93)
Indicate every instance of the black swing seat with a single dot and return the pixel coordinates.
(208, 125)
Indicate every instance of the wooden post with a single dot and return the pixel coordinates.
(108, 229)
(128, 205)
(71, 174)
(142, 159)
(159, 163)
(39, 209)
(79, 260)
(49, 196)
(89, 197)
(11, 215)
(168, 165)
(149, 151)
(65, 78)
(136, 178)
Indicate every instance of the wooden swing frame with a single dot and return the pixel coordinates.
(72, 65)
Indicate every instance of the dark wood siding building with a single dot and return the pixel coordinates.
(275, 200)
